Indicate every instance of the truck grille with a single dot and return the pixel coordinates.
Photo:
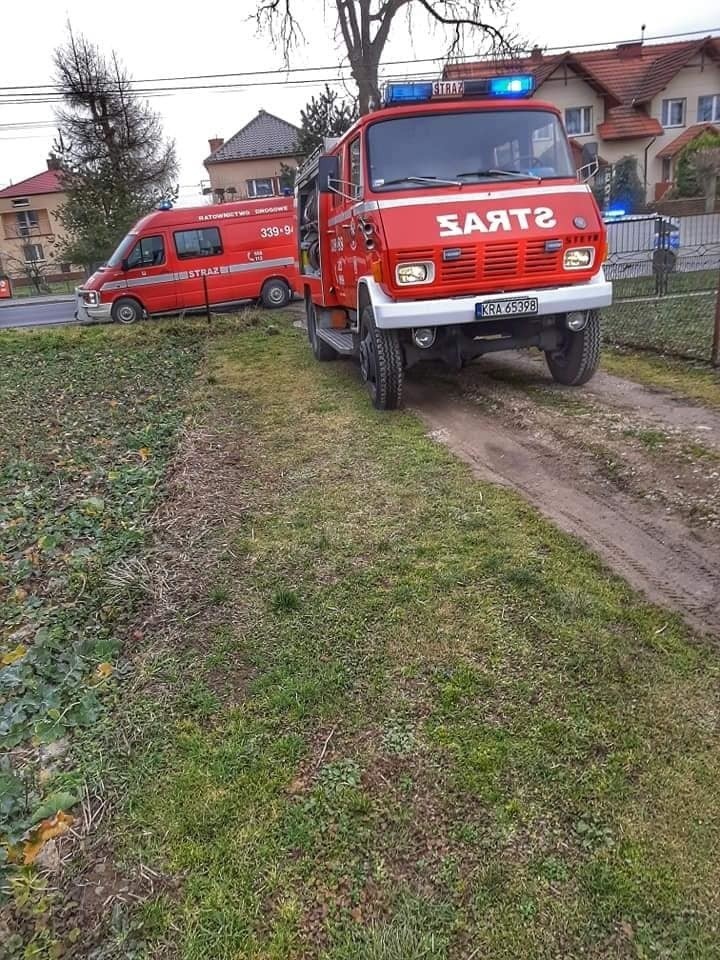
(514, 262)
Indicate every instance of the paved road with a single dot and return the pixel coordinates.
(40, 313)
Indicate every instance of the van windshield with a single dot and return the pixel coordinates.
(122, 250)
(409, 153)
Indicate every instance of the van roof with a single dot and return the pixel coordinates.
(215, 212)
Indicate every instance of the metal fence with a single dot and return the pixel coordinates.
(665, 273)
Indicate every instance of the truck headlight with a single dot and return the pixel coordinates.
(579, 258)
(89, 298)
(408, 273)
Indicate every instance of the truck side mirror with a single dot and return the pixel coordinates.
(328, 173)
(125, 266)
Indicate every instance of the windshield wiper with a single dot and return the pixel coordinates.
(522, 175)
(433, 180)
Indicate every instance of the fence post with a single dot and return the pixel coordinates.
(207, 301)
(715, 354)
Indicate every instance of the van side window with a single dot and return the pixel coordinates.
(198, 243)
(355, 168)
(148, 252)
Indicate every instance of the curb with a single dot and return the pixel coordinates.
(34, 301)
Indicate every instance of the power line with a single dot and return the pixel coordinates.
(286, 71)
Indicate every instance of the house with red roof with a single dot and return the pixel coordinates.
(647, 100)
(29, 228)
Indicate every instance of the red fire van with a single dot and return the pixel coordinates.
(180, 259)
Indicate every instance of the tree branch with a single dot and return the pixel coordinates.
(467, 19)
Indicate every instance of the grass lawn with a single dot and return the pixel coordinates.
(365, 707)
(699, 382)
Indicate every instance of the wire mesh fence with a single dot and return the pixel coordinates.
(665, 274)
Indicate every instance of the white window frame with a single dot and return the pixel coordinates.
(252, 187)
(35, 247)
(21, 202)
(585, 114)
(667, 106)
(714, 109)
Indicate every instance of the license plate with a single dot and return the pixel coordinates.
(517, 306)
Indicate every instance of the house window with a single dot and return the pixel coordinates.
(355, 167)
(578, 121)
(666, 169)
(21, 202)
(148, 252)
(709, 108)
(27, 221)
(673, 113)
(33, 253)
(198, 243)
(261, 187)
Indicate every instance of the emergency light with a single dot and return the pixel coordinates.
(422, 91)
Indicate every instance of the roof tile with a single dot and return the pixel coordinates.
(265, 136)
(46, 182)
(628, 75)
(687, 136)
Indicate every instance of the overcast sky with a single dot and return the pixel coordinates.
(183, 38)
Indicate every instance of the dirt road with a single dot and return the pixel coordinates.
(633, 472)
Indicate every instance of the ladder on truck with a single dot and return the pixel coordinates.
(309, 167)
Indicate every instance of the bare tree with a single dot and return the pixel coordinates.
(365, 27)
(706, 164)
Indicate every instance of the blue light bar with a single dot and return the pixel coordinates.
(616, 212)
(399, 93)
(511, 85)
(517, 86)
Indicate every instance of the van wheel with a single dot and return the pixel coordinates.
(321, 350)
(381, 363)
(275, 294)
(126, 310)
(579, 357)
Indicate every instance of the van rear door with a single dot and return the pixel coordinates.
(149, 276)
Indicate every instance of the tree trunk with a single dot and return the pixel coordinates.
(366, 78)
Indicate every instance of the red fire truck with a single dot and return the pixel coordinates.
(448, 224)
(184, 259)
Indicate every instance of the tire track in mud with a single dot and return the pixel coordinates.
(673, 564)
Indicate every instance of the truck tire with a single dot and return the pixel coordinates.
(576, 363)
(126, 310)
(275, 294)
(322, 351)
(381, 363)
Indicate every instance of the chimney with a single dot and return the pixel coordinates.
(53, 163)
(630, 51)
(215, 143)
(536, 54)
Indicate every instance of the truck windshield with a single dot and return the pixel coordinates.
(409, 153)
(122, 250)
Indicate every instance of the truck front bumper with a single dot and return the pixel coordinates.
(396, 314)
(100, 313)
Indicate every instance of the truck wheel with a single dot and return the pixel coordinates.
(126, 310)
(322, 351)
(275, 294)
(381, 363)
(578, 359)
